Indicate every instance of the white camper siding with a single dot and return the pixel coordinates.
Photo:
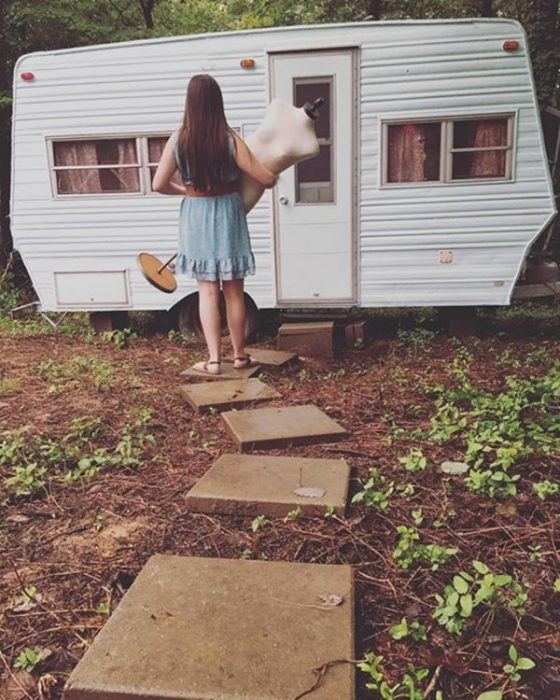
(88, 92)
(407, 69)
(438, 71)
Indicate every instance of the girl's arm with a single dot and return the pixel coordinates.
(165, 171)
(247, 162)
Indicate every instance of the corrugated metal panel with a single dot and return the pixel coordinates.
(407, 68)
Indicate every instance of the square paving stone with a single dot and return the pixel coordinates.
(275, 427)
(228, 372)
(271, 485)
(227, 394)
(192, 628)
(271, 358)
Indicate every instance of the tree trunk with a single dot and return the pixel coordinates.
(543, 29)
(375, 9)
(147, 10)
(487, 8)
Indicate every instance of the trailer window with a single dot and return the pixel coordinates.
(479, 148)
(315, 176)
(448, 150)
(96, 166)
(156, 144)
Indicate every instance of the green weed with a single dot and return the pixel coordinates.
(409, 550)
(467, 592)
(371, 493)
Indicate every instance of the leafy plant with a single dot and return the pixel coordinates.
(293, 515)
(410, 551)
(546, 489)
(120, 338)
(467, 592)
(30, 657)
(371, 495)
(409, 687)
(418, 338)
(518, 663)
(259, 522)
(414, 461)
(499, 430)
(32, 459)
(403, 629)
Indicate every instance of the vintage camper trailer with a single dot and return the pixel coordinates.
(429, 188)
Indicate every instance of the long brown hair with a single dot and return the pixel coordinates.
(203, 136)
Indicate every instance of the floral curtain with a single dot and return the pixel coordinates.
(487, 133)
(413, 152)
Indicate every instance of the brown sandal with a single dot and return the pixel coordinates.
(203, 366)
(247, 362)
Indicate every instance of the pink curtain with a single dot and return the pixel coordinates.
(491, 132)
(85, 155)
(76, 153)
(127, 177)
(406, 153)
(156, 144)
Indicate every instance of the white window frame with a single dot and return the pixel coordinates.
(446, 149)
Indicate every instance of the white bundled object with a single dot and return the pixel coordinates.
(286, 136)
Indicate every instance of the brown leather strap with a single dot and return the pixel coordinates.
(225, 189)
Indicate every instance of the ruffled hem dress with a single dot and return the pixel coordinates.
(214, 241)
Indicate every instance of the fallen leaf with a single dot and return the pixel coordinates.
(332, 600)
(18, 518)
(310, 492)
(454, 468)
(46, 687)
(508, 509)
(15, 688)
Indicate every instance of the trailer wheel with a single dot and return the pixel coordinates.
(188, 317)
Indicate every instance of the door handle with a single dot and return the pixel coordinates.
(283, 199)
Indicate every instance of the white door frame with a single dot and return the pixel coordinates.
(352, 51)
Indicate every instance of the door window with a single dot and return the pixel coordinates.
(315, 177)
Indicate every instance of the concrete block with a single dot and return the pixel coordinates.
(312, 339)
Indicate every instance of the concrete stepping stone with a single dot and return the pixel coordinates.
(270, 485)
(275, 427)
(192, 628)
(271, 358)
(228, 372)
(227, 394)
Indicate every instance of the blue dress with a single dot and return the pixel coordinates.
(214, 241)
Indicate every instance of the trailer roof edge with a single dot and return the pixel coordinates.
(270, 30)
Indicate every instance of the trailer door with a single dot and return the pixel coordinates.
(314, 204)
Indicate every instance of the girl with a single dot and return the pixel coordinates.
(214, 244)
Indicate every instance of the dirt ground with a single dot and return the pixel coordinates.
(78, 546)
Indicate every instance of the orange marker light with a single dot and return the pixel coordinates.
(27, 76)
(247, 63)
(511, 45)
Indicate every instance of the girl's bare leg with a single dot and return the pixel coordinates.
(209, 310)
(236, 314)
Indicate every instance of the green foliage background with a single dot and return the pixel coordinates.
(36, 25)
